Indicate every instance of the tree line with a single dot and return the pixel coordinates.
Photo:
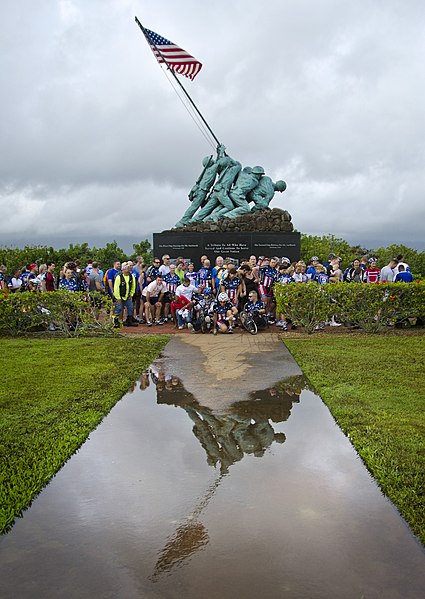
(311, 245)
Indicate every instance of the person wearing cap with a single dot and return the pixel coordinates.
(372, 272)
(313, 264)
(224, 314)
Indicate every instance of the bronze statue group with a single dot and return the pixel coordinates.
(226, 190)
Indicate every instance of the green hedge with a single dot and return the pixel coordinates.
(371, 307)
(71, 314)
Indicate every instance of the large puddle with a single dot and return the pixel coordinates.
(264, 498)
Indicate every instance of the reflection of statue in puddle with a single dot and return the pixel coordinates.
(245, 429)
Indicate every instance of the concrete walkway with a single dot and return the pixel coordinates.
(219, 475)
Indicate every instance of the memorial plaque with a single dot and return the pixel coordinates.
(192, 245)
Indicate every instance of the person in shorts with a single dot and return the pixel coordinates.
(153, 295)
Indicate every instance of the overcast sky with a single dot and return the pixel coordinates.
(326, 94)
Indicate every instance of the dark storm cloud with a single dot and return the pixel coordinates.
(326, 95)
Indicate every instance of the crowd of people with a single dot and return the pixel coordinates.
(220, 294)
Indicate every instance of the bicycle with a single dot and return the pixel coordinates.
(248, 322)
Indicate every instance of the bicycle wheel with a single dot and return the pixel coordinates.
(250, 326)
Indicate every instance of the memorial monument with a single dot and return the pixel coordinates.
(229, 212)
(229, 215)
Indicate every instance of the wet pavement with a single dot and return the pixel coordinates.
(220, 474)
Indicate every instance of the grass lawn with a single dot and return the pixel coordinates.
(374, 387)
(54, 392)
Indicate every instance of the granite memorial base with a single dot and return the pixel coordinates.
(235, 245)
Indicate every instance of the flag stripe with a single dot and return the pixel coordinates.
(178, 59)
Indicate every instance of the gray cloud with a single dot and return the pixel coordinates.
(326, 95)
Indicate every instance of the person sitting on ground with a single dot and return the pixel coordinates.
(403, 276)
(153, 295)
(202, 302)
(255, 307)
(224, 314)
(183, 300)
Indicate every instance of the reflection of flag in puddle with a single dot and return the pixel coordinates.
(188, 538)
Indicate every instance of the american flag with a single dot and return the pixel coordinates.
(178, 59)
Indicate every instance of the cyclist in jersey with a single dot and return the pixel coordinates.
(268, 276)
(257, 308)
(233, 286)
(224, 314)
(192, 274)
(205, 275)
(172, 281)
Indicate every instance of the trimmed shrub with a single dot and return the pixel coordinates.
(306, 305)
(368, 306)
(71, 314)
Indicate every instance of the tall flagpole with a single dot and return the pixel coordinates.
(177, 79)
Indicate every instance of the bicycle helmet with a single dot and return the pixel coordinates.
(207, 291)
(223, 297)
